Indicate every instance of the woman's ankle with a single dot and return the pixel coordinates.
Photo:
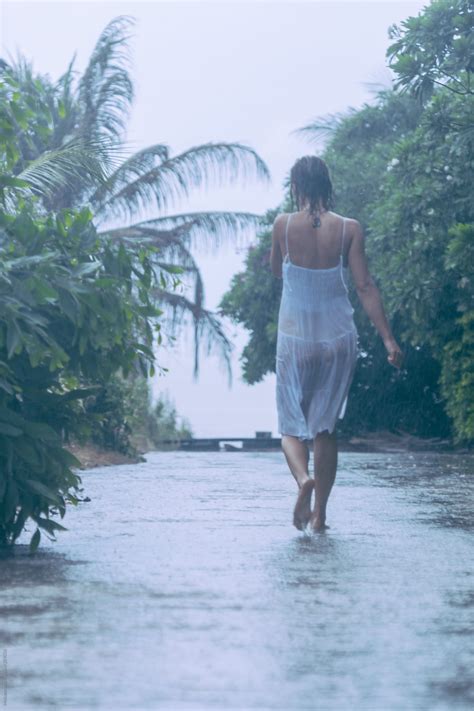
(319, 512)
(301, 479)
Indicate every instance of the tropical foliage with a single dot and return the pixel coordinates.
(87, 278)
(165, 424)
(126, 420)
(407, 178)
(74, 309)
(135, 198)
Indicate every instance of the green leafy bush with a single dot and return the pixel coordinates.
(73, 310)
(163, 423)
(122, 417)
(457, 375)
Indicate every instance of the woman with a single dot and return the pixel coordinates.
(312, 250)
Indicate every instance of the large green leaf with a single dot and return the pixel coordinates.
(39, 488)
(10, 430)
(35, 541)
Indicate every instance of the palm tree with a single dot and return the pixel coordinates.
(91, 111)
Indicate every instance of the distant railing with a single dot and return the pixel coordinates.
(216, 444)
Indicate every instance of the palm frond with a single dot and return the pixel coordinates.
(65, 81)
(66, 110)
(131, 169)
(169, 242)
(77, 160)
(208, 330)
(174, 253)
(174, 178)
(105, 89)
(383, 86)
(20, 69)
(195, 229)
(320, 128)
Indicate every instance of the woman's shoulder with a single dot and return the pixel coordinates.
(352, 226)
(282, 217)
(279, 223)
(349, 220)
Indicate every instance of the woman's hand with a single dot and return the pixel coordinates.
(395, 355)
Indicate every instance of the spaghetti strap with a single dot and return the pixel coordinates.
(286, 238)
(343, 235)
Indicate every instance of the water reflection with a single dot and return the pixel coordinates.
(194, 591)
(47, 567)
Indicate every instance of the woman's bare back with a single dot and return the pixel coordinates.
(316, 248)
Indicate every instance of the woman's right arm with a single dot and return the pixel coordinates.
(369, 294)
(276, 257)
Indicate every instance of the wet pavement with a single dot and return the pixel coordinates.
(183, 585)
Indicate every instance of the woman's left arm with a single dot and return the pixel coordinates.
(276, 257)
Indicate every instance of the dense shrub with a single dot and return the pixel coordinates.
(73, 310)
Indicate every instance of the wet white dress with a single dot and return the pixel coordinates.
(317, 346)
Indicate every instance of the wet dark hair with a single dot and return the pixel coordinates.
(309, 180)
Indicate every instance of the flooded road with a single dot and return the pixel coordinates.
(183, 585)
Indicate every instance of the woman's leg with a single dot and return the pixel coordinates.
(297, 457)
(325, 466)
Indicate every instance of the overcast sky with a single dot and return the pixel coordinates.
(251, 72)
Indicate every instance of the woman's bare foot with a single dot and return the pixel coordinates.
(317, 521)
(302, 510)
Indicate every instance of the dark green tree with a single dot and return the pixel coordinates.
(407, 178)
